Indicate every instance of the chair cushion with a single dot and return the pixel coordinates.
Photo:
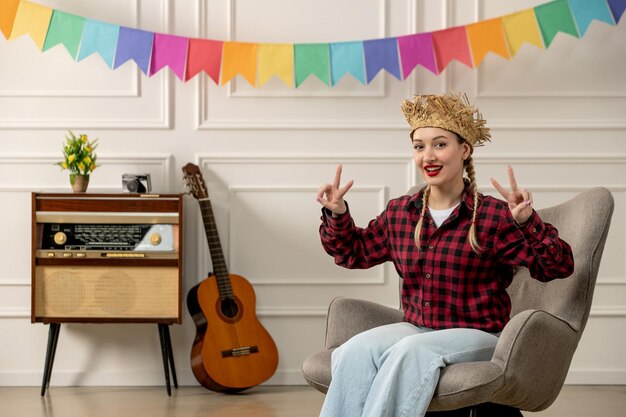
(316, 370)
(466, 384)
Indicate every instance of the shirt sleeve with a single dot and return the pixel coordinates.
(535, 245)
(351, 246)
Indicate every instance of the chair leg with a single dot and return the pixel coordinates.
(495, 410)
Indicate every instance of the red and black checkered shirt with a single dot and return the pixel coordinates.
(447, 284)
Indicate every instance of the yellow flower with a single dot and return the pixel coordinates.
(92, 167)
(88, 148)
(71, 158)
(83, 138)
(64, 165)
(81, 166)
(87, 160)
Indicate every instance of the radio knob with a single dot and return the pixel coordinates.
(60, 238)
(155, 239)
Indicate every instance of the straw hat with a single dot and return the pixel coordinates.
(452, 112)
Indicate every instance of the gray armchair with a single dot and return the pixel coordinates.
(533, 354)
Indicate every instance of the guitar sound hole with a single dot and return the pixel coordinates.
(229, 308)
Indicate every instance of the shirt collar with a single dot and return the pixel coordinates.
(467, 199)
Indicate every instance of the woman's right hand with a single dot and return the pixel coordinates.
(331, 196)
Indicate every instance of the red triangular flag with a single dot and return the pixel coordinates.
(204, 55)
(451, 44)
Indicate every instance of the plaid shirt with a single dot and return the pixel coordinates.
(447, 284)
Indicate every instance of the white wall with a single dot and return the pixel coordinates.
(558, 116)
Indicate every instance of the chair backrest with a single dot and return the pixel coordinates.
(583, 222)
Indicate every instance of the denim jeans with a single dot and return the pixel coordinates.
(392, 370)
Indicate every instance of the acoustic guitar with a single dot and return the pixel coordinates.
(232, 351)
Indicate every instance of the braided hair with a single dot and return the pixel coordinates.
(471, 174)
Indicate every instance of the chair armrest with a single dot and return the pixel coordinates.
(535, 350)
(348, 317)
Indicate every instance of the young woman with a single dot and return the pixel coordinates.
(455, 250)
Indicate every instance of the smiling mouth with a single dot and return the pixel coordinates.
(432, 170)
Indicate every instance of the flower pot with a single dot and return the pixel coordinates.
(79, 182)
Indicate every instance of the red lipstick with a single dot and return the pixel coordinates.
(432, 170)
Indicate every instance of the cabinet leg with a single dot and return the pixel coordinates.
(166, 330)
(165, 355)
(53, 338)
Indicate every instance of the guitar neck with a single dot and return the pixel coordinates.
(217, 255)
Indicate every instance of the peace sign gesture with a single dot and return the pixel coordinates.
(331, 196)
(520, 200)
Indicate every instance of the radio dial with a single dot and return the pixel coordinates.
(155, 239)
(60, 238)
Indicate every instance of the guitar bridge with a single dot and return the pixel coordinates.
(240, 351)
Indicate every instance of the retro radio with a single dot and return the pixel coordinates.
(106, 258)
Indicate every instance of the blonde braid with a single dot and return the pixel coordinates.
(471, 174)
(418, 227)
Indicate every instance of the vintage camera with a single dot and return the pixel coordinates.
(136, 183)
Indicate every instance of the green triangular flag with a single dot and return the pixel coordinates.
(67, 29)
(555, 17)
(312, 58)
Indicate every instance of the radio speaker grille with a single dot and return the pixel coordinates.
(106, 292)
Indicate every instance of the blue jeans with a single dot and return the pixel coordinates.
(393, 370)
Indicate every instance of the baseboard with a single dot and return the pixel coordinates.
(281, 377)
(596, 377)
(119, 378)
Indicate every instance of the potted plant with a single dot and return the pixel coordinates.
(80, 159)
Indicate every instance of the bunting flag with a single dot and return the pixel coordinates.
(31, 19)
(346, 58)
(66, 29)
(417, 49)
(381, 54)
(101, 38)
(295, 63)
(171, 51)
(451, 44)
(553, 18)
(204, 55)
(312, 59)
(136, 45)
(275, 60)
(8, 9)
(585, 11)
(485, 37)
(239, 58)
(521, 27)
(617, 8)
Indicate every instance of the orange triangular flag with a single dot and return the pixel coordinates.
(239, 58)
(8, 9)
(487, 36)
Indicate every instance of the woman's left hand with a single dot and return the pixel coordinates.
(520, 200)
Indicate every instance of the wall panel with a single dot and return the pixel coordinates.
(557, 116)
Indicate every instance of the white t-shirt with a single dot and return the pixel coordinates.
(440, 216)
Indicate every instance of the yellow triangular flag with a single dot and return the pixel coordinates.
(275, 59)
(521, 27)
(487, 36)
(32, 19)
(239, 58)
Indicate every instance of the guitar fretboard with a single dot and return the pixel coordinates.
(217, 255)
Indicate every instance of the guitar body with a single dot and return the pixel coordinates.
(232, 350)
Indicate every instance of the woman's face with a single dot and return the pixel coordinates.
(439, 155)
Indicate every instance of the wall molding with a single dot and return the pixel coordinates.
(165, 161)
(163, 121)
(383, 271)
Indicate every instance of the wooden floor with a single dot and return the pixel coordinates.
(574, 401)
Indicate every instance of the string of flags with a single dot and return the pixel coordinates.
(294, 63)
